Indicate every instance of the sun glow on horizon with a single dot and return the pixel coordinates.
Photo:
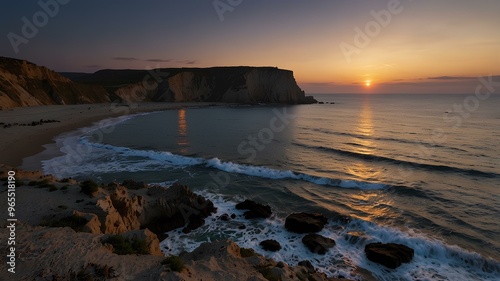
(368, 83)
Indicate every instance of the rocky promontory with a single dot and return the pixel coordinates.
(23, 83)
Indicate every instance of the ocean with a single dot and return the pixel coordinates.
(420, 170)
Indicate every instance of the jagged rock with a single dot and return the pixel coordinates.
(173, 208)
(270, 245)
(307, 264)
(305, 222)
(391, 255)
(255, 210)
(93, 224)
(317, 243)
(224, 217)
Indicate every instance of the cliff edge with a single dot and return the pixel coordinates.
(23, 83)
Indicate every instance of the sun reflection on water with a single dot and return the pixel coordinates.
(182, 139)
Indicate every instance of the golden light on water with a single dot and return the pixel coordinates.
(364, 145)
(182, 139)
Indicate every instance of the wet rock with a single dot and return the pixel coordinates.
(255, 210)
(305, 222)
(318, 244)
(224, 217)
(391, 255)
(132, 184)
(270, 245)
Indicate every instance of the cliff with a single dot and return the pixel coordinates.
(25, 84)
(239, 84)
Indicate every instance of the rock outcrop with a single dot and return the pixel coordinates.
(255, 210)
(270, 245)
(391, 255)
(305, 222)
(25, 84)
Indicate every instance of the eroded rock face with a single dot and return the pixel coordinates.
(318, 244)
(305, 222)
(152, 242)
(391, 255)
(26, 84)
(255, 210)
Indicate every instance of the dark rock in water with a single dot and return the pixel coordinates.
(173, 208)
(391, 255)
(242, 226)
(308, 265)
(132, 184)
(305, 223)
(255, 210)
(270, 245)
(233, 216)
(321, 102)
(317, 243)
(224, 217)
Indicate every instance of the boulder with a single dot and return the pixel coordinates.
(175, 207)
(132, 184)
(391, 255)
(317, 243)
(255, 210)
(270, 245)
(305, 222)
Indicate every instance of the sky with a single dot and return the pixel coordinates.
(335, 46)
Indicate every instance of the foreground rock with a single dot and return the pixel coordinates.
(391, 255)
(305, 222)
(255, 210)
(317, 243)
(226, 261)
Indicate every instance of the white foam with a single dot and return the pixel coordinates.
(433, 260)
(115, 159)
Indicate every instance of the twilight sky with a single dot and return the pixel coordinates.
(336, 46)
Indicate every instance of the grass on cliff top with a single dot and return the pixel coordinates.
(174, 262)
(125, 246)
(75, 222)
(89, 187)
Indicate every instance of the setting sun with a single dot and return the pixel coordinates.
(368, 83)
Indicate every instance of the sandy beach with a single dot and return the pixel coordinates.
(20, 141)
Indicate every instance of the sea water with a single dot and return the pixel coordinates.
(409, 169)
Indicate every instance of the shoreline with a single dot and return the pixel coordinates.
(19, 142)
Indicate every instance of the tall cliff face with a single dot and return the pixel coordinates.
(25, 84)
(219, 84)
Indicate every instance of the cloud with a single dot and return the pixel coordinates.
(451, 78)
(125, 58)
(157, 60)
(93, 66)
(188, 61)
(317, 84)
